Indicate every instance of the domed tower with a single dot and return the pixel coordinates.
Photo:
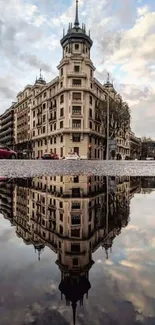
(76, 72)
(76, 41)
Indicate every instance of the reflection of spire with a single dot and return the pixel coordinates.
(74, 305)
(76, 23)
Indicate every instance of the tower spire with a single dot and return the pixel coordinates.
(108, 77)
(76, 23)
(74, 305)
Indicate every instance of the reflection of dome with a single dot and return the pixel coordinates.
(39, 247)
(74, 289)
(76, 33)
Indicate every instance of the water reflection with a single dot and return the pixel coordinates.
(73, 216)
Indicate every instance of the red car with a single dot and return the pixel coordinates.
(52, 156)
(6, 153)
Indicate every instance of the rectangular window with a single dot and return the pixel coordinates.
(76, 110)
(76, 46)
(76, 192)
(90, 112)
(61, 99)
(61, 138)
(76, 68)
(61, 72)
(61, 124)
(33, 113)
(76, 149)
(44, 117)
(51, 127)
(76, 205)
(61, 203)
(76, 179)
(75, 248)
(43, 129)
(61, 217)
(90, 100)
(61, 230)
(55, 140)
(34, 123)
(62, 111)
(76, 82)
(76, 137)
(75, 261)
(76, 124)
(76, 96)
(75, 233)
(61, 151)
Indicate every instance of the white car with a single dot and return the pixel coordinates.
(149, 158)
(72, 156)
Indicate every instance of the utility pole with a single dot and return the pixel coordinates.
(107, 153)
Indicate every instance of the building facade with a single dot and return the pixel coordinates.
(7, 127)
(148, 149)
(62, 116)
(135, 146)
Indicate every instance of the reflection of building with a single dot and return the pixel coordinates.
(147, 184)
(6, 127)
(74, 216)
(6, 200)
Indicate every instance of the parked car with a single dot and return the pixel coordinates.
(149, 158)
(51, 156)
(72, 156)
(6, 153)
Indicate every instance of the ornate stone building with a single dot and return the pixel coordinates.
(7, 127)
(62, 115)
(135, 146)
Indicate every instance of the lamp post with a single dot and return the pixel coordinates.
(107, 153)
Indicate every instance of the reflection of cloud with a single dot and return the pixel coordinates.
(131, 265)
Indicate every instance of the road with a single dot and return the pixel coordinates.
(32, 168)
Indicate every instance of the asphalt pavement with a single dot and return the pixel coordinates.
(32, 168)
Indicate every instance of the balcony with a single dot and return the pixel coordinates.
(76, 253)
(6, 119)
(77, 74)
(39, 113)
(39, 124)
(51, 119)
(9, 130)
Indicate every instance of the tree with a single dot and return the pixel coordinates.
(146, 139)
(119, 117)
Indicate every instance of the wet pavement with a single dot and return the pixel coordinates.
(31, 168)
(77, 250)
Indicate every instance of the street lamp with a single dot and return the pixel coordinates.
(107, 153)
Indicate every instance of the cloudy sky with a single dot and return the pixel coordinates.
(124, 44)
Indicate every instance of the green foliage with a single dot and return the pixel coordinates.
(119, 116)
